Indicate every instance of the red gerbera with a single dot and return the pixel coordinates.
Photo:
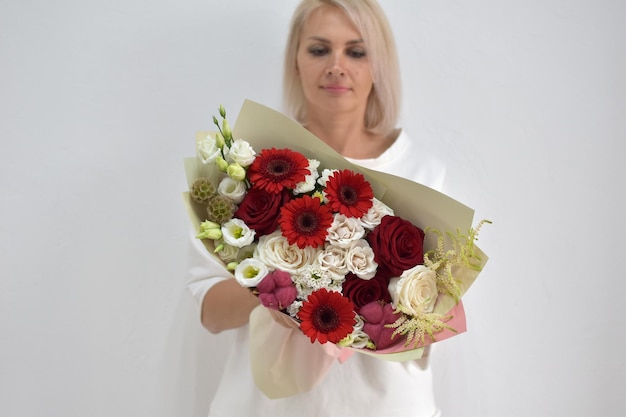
(274, 169)
(349, 194)
(327, 316)
(305, 221)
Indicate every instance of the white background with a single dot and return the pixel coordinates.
(100, 101)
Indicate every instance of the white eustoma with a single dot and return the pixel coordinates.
(250, 272)
(360, 260)
(308, 184)
(333, 260)
(207, 150)
(344, 230)
(247, 251)
(372, 218)
(233, 254)
(233, 189)
(415, 291)
(228, 253)
(241, 152)
(236, 233)
(275, 251)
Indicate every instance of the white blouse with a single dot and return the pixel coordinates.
(363, 385)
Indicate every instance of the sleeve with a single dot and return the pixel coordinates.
(204, 270)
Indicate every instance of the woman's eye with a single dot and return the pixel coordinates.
(318, 51)
(356, 53)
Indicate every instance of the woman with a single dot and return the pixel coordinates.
(342, 83)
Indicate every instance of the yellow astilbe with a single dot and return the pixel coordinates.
(462, 254)
(417, 327)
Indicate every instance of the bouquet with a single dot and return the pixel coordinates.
(360, 259)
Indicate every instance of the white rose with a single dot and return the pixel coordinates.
(308, 184)
(333, 259)
(415, 290)
(207, 150)
(236, 233)
(372, 218)
(233, 189)
(344, 230)
(276, 252)
(360, 260)
(241, 152)
(250, 272)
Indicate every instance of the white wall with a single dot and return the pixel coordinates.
(99, 103)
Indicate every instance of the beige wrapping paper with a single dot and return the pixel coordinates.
(285, 362)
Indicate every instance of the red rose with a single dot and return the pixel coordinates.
(364, 291)
(398, 245)
(260, 209)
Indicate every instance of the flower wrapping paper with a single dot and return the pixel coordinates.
(289, 364)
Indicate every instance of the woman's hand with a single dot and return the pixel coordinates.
(227, 305)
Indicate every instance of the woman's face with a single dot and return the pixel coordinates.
(332, 63)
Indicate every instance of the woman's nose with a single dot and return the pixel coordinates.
(336, 66)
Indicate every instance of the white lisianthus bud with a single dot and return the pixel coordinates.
(250, 272)
(219, 140)
(233, 189)
(237, 233)
(209, 230)
(415, 291)
(212, 234)
(236, 172)
(241, 152)
(228, 134)
(207, 224)
(221, 163)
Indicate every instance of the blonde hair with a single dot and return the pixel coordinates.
(383, 103)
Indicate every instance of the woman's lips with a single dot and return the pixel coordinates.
(335, 88)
